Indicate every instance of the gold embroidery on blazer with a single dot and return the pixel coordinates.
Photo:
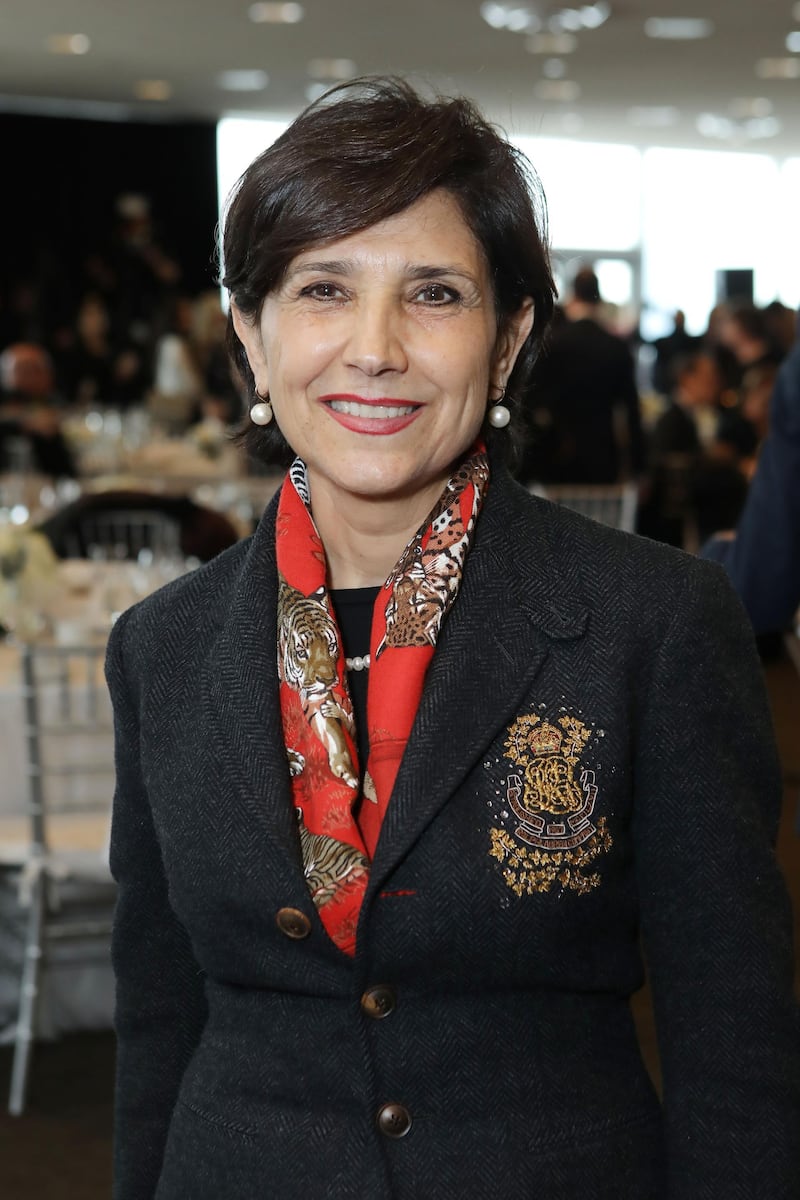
(553, 798)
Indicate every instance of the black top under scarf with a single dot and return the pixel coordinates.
(352, 608)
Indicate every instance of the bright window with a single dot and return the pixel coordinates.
(705, 212)
(239, 141)
(593, 191)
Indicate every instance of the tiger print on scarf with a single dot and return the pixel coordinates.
(427, 576)
(308, 648)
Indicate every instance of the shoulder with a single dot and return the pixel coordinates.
(178, 621)
(204, 589)
(638, 581)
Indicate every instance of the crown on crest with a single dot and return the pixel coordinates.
(545, 739)
(531, 738)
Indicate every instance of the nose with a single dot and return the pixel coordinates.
(375, 343)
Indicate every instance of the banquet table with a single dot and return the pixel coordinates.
(76, 993)
(241, 498)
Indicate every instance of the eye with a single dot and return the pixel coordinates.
(322, 291)
(437, 294)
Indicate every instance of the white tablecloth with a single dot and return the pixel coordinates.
(74, 996)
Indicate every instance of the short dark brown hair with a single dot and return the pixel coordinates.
(365, 151)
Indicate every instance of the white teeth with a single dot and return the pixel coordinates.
(380, 412)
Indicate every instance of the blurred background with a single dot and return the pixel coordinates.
(667, 143)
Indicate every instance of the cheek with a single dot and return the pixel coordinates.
(463, 369)
(294, 362)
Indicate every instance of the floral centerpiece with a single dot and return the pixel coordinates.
(28, 577)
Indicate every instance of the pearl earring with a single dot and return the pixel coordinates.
(499, 415)
(261, 412)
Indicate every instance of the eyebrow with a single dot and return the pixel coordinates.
(343, 266)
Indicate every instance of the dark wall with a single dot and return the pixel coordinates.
(62, 177)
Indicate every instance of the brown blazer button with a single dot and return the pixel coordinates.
(294, 923)
(378, 1001)
(394, 1120)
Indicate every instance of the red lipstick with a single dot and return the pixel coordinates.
(397, 414)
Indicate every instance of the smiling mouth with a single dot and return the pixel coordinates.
(372, 410)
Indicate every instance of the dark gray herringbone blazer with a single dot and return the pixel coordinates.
(507, 922)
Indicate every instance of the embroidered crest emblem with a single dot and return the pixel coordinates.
(553, 796)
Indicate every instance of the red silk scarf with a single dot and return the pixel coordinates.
(340, 809)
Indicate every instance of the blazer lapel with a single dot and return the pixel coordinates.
(241, 708)
(511, 607)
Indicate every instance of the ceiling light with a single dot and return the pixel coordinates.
(573, 20)
(653, 116)
(152, 89)
(763, 127)
(793, 42)
(568, 19)
(712, 126)
(778, 68)
(242, 81)
(724, 129)
(524, 18)
(744, 107)
(276, 14)
(67, 43)
(551, 43)
(563, 91)
(494, 15)
(516, 18)
(595, 15)
(337, 69)
(554, 68)
(678, 29)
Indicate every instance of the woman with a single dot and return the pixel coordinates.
(380, 905)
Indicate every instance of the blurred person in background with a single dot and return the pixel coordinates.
(676, 448)
(31, 413)
(758, 385)
(222, 392)
(96, 368)
(746, 333)
(178, 385)
(712, 341)
(762, 554)
(141, 274)
(675, 345)
(781, 325)
(585, 396)
(690, 419)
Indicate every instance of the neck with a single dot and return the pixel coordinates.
(364, 536)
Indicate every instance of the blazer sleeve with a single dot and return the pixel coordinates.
(160, 1000)
(716, 917)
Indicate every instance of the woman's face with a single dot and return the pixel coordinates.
(379, 352)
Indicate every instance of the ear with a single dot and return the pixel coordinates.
(511, 340)
(249, 335)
